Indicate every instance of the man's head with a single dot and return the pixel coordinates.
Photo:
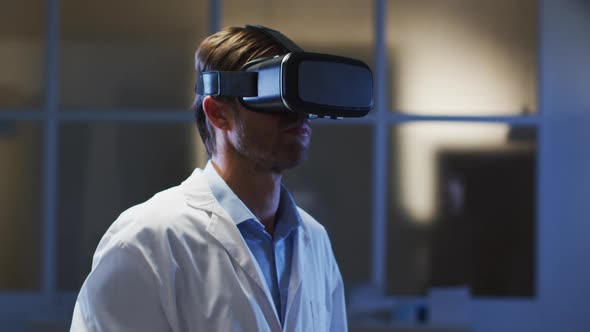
(273, 141)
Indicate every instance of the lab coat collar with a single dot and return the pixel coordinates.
(224, 230)
(236, 209)
(288, 218)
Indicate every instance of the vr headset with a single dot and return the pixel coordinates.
(318, 85)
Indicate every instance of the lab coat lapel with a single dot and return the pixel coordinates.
(298, 270)
(224, 230)
(228, 235)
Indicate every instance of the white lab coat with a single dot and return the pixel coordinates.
(178, 263)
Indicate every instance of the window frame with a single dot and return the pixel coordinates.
(51, 304)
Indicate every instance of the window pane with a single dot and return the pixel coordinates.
(322, 26)
(334, 186)
(22, 26)
(462, 208)
(463, 57)
(20, 217)
(130, 54)
(107, 168)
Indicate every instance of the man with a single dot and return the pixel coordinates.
(227, 250)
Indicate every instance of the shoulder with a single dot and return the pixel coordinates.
(311, 223)
(165, 210)
(156, 226)
(316, 231)
(132, 270)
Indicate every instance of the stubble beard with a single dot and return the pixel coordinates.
(269, 156)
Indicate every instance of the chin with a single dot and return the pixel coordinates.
(289, 161)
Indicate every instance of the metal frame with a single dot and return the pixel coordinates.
(52, 303)
(380, 152)
(175, 115)
(51, 152)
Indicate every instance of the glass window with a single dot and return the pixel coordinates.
(462, 208)
(463, 57)
(322, 26)
(334, 186)
(107, 168)
(22, 26)
(20, 205)
(130, 54)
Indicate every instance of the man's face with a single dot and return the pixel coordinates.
(273, 141)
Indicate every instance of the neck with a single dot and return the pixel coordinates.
(259, 189)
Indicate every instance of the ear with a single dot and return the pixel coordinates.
(217, 113)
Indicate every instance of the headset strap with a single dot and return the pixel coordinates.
(228, 83)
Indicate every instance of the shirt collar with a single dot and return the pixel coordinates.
(288, 217)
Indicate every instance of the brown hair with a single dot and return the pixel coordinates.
(228, 50)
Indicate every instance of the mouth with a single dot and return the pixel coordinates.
(302, 129)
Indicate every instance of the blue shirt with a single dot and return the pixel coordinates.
(272, 253)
